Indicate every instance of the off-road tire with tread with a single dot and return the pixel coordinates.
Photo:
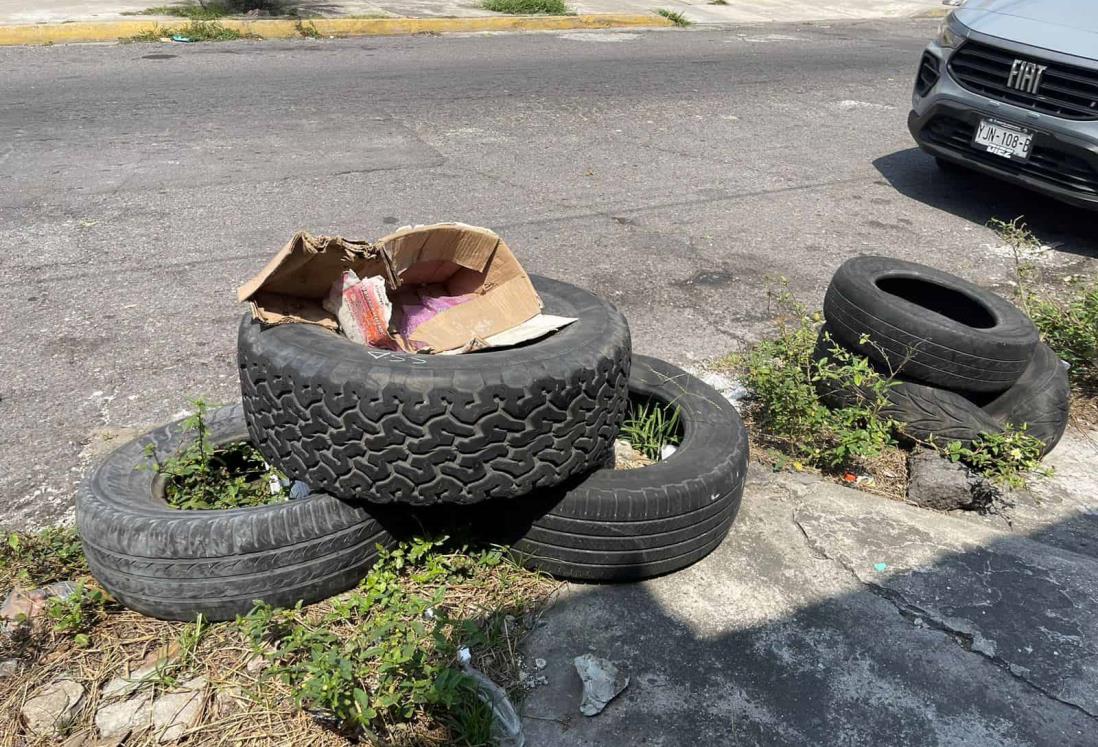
(373, 425)
(176, 564)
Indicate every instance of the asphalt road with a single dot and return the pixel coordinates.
(675, 172)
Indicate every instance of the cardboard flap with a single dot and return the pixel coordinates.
(452, 243)
(307, 266)
(272, 308)
(510, 303)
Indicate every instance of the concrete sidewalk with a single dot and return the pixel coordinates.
(698, 11)
(834, 617)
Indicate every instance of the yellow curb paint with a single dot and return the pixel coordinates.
(109, 31)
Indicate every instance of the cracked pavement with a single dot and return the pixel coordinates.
(832, 616)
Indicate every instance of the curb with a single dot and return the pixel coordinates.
(112, 31)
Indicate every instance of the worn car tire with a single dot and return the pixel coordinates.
(176, 565)
(928, 325)
(368, 424)
(1038, 401)
(615, 525)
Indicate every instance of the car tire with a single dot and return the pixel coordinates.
(373, 425)
(618, 525)
(928, 325)
(1040, 400)
(177, 565)
(925, 413)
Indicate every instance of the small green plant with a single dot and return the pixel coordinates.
(1068, 323)
(306, 30)
(650, 426)
(674, 16)
(195, 31)
(1005, 458)
(207, 477)
(34, 559)
(527, 7)
(787, 378)
(386, 653)
(76, 614)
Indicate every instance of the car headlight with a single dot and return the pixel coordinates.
(950, 33)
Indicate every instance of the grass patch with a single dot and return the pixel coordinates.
(377, 664)
(650, 426)
(527, 7)
(195, 31)
(790, 422)
(1066, 315)
(36, 559)
(674, 16)
(206, 477)
(211, 10)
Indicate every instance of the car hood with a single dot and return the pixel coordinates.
(1067, 26)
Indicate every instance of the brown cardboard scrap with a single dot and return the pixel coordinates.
(465, 259)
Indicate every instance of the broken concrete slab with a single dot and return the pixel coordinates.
(935, 482)
(52, 709)
(175, 712)
(120, 718)
(141, 675)
(772, 640)
(602, 682)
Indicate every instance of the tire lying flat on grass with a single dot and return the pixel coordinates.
(632, 524)
(930, 326)
(369, 424)
(1038, 400)
(175, 564)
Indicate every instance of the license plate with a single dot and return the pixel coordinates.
(1003, 139)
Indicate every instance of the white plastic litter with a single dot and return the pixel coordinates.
(667, 450)
(299, 490)
(506, 724)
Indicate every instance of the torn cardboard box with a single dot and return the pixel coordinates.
(449, 288)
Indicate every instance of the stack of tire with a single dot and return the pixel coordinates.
(965, 362)
(514, 444)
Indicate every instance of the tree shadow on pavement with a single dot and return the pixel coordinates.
(865, 623)
(979, 198)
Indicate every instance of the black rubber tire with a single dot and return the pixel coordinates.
(983, 345)
(1040, 400)
(925, 412)
(366, 424)
(618, 525)
(175, 565)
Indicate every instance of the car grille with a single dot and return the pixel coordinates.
(1047, 164)
(1066, 91)
(928, 74)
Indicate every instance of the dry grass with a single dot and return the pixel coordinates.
(245, 708)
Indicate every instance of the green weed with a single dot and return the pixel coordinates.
(306, 30)
(195, 31)
(385, 654)
(1067, 321)
(527, 7)
(1005, 458)
(207, 477)
(786, 379)
(79, 612)
(35, 559)
(650, 426)
(674, 16)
